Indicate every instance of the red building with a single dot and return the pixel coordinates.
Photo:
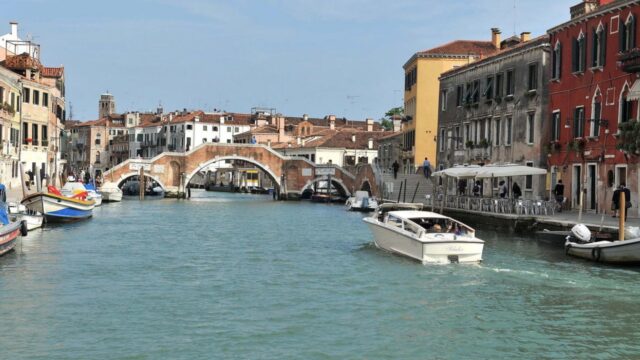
(594, 94)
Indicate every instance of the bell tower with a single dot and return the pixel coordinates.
(107, 105)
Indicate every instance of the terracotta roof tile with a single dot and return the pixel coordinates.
(462, 47)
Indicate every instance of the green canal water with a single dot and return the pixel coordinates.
(243, 277)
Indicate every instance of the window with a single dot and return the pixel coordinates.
(189, 127)
(442, 139)
(228, 128)
(578, 122)
(139, 138)
(45, 135)
(34, 134)
(45, 99)
(97, 141)
(457, 139)
(507, 131)
(626, 110)
(595, 118)
(236, 129)
(555, 126)
(476, 91)
(204, 128)
(528, 180)
(443, 100)
(627, 34)
(467, 94)
(459, 95)
(36, 97)
(215, 128)
(228, 141)
(467, 133)
(497, 131)
(1, 95)
(510, 82)
(599, 46)
(204, 140)
(530, 127)
(499, 83)
(410, 78)
(26, 95)
(533, 77)
(556, 70)
(488, 89)
(578, 54)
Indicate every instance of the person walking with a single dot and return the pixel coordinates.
(517, 193)
(477, 188)
(502, 189)
(426, 167)
(558, 192)
(395, 167)
(615, 201)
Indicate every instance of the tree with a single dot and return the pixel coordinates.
(386, 122)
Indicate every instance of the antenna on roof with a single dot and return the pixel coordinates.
(70, 111)
(514, 17)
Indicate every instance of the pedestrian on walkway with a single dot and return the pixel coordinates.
(517, 193)
(477, 188)
(615, 201)
(558, 192)
(426, 167)
(395, 167)
(502, 189)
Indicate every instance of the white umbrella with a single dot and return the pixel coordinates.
(461, 171)
(507, 170)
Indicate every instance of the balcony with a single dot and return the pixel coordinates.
(481, 153)
(629, 61)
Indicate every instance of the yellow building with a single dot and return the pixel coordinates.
(421, 93)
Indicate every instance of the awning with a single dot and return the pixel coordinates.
(508, 170)
(462, 171)
(634, 92)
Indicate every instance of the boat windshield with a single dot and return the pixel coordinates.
(442, 225)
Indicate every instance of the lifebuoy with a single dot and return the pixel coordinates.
(595, 253)
(23, 228)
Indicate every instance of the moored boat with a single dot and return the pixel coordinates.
(361, 202)
(111, 192)
(18, 212)
(57, 207)
(580, 244)
(424, 236)
(10, 231)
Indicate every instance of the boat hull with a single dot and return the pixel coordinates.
(111, 196)
(445, 251)
(59, 208)
(613, 252)
(9, 235)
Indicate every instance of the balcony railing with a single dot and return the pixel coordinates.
(629, 61)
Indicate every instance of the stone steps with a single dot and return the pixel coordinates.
(425, 187)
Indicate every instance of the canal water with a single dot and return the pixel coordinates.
(243, 277)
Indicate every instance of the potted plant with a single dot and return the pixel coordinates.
(484, 143)
(29, 140)
(469, 144)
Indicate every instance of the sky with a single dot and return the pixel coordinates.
(316, 57)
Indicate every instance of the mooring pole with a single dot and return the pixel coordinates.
(141, 185)
(404, 198)
(623, 212)
(415, 192)
(399, 192)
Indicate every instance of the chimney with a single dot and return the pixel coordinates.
(353, 138)
(369, 125)
(525, 36)
(495, 37)
(298, 140)
(305, 117)
(397, 123)
(280, 128)
(268, 142)
(370, 143)
(14, 29)
(197, 119)
(332, 122)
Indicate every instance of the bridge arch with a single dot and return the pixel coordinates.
(334, 180)
(125, 176)
(266, 169)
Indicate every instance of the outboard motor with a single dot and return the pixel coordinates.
(580, 233)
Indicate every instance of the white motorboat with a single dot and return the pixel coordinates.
(424, 236)
(111, 192)
(361, 202)
(19, 212)
(580, 244)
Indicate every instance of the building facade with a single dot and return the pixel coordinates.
(422, 71)
(593, 104)
(494, 111)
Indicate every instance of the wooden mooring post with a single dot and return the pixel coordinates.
(141, 183)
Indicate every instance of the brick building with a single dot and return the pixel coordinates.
(593, 101)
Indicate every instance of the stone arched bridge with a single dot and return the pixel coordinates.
(292, 175)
